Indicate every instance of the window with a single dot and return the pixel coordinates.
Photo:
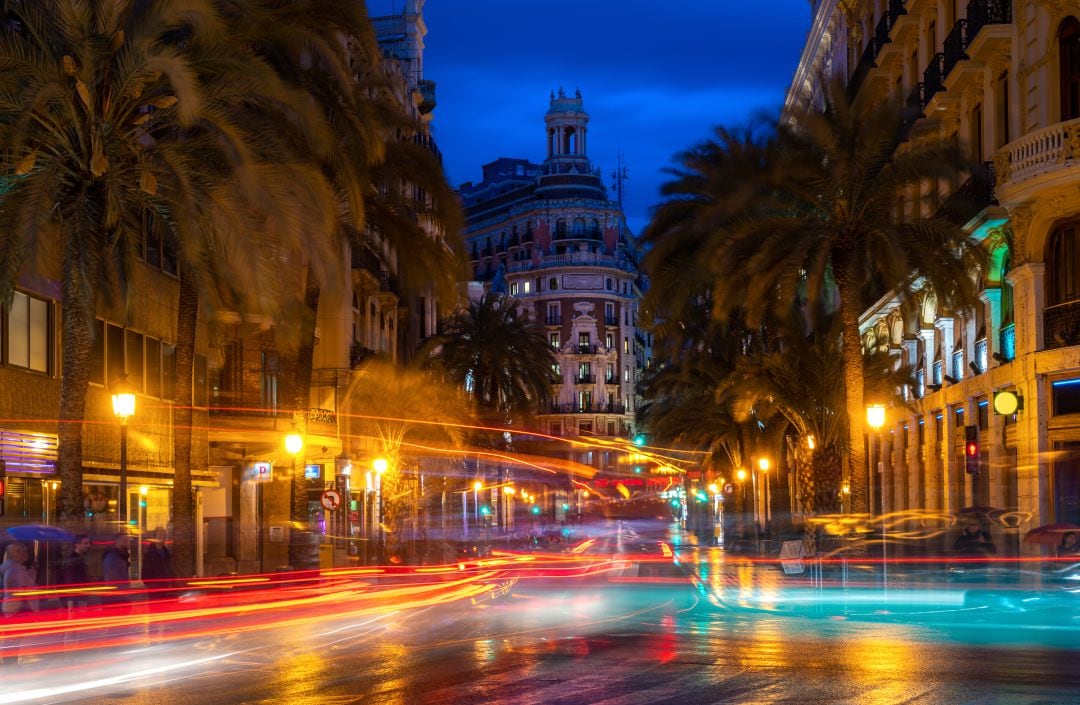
(610, 341)
(579, 226)
(977, 133)
(1001, 99)
(609, 314)
(626, 345)
(514, 289)
(153, 367)
(609, 284)
(168, 371)
(29, 337)
(526, 287)
(583, 340)
(114, 354)
(1066, 396)
(554, 339)
(626, 374)
(984, 413)
(553, 283)
(1069, 57)
(133, 359)
(1063, 265)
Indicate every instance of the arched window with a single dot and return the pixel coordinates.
(570, 141)
(560, 228)
(1069, 57)
(1063, 265)
(579, 226)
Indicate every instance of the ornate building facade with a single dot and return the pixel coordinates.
(1003, 78)
(548, 236)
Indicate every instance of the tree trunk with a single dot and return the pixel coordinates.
(853, 394)
(74, 382)
(183, 502)
(301, 539)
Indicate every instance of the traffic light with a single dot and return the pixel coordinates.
(639, 440)
(971, 449)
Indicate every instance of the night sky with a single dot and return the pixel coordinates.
(656, 76)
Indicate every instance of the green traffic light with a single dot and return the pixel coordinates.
(639, 440)
(485, 510)
(535, 509)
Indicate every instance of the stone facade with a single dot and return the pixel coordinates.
(995, 75)
(548, 236)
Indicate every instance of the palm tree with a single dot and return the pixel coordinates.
(811, 211)
(403, 415)
(799, 380)
(498, 356)
(328, 49)
(110, 115)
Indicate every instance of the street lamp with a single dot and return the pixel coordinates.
(123, 402)
(875, 419)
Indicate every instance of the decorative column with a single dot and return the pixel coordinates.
(948, 338)
(991, 298)
(1029, 297)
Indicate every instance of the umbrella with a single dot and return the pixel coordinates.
(1050, 534)
(38, 532)
(979, 510)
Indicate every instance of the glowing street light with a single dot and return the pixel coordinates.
(508, 490)
(123, 403)
(380, 465)
(810, 442)
(477, 486)
(294, 443)
(740, 475)
(763, 464)
(714, 488)
(875, 416)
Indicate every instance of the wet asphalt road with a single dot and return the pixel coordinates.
(621, 645)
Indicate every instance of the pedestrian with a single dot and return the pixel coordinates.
(1070, 544)
(157, 566)
(116, 568)
(15, 576)
(974, 540)
(74, 567)
(116, 563)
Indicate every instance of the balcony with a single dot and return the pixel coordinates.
(933, 78)
(862, 69)
(585, 379)
(956, 46)
(983, 13)
(553, 321)
(611, 379)
(1008, 343)
(1042, 154)
(974, 195)
(576, 259)
(587, 349)
(1061, 324)
(426, 89)
(588, 408)
(611, 321)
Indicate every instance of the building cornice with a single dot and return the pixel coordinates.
(810, 59)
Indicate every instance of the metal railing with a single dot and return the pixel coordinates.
(956, 46)
(588, 409)
(981, 13)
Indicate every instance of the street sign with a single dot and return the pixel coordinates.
(331, 499)
(262, 472)
(313, 472)
(729, 488)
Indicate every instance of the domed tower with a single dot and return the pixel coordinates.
(567, 165)
(567, 123)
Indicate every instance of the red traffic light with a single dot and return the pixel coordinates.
(3, 487)
(971, 449)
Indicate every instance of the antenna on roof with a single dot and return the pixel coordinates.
(619, 176)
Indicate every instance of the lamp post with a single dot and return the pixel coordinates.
(875, 419)
(764, 465)
(294, 443)
(123, 402)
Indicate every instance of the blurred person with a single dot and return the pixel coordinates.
(74, 567)
(14, 575)
(974, 540)
(157, 575)
(1070, 544)
(116, 563)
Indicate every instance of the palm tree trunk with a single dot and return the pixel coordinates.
(74, 383)
(183, 503)
(851, 343)
(299, 544)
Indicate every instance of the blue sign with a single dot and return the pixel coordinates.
(313, 472)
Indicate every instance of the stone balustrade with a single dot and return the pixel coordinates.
(1038, 152)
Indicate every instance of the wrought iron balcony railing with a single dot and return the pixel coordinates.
(981, 13)
(956, 46)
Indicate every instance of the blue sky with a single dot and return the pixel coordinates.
(656, 76)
